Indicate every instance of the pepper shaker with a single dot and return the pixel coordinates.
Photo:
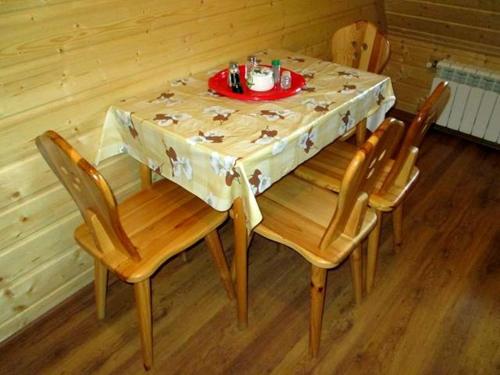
(234, 79)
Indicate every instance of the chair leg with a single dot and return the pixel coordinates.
(361, 133)
(213, 243)
(357, 274)
(318, 284)
(142, 291)
(371, 257)
(100, 287)
(397, 220)
(185, 257)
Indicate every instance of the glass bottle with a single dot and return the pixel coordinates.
(276, 64)
(250, 65)
(234, 79)
(232, 64)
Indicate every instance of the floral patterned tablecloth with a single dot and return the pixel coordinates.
(220, 148)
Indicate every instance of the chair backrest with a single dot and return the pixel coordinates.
(362, 46)
(360, 178)
(426, 116)
(89, 190)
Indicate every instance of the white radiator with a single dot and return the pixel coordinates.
(474, 105)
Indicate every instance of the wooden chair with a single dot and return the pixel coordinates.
(328, 167)
(362, 46)
(324, 227)
(135, 238)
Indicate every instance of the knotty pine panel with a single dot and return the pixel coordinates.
(16, 187)
(20, 125)
(63, 62)
(412, 48)
(411, 79)
(481, 36)
(48, 205)
(17, 301)
(487, 5)
(471, 17)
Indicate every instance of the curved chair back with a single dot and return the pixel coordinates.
(426, 116)
(89, 190)
(360, 178)
(362, 46)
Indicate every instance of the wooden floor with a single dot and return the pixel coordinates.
(435, 308)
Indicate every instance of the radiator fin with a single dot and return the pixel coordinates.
(474, 105)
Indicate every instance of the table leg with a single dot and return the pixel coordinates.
(146, 177)
(361, 133)
(241, 261)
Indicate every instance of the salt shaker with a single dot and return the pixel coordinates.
(286, 80)
(250, 65)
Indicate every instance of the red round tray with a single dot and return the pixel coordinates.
(218, 83)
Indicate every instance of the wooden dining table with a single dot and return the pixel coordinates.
(227, 151)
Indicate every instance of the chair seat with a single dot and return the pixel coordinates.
(296, 213)
(327, 169)
(161, 222)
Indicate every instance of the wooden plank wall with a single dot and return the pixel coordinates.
(63, 62)
(467, 31)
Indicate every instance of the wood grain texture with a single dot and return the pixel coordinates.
(362, 46)
(422, 31)
(324, 227)
(63, 62)
(135, 238)
(434, 309)
(468, 22)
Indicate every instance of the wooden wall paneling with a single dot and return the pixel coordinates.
(164, 40)
(43, 271)
(15, 187)
(25, 255)
(63, 62)
(113, 91)
(32, 287)
(137, 53)
(488, 5)
(23, 314)
(49, 205)
(313, 36)
(412, 80)
(426, 31)
(84, 24)
(134, 54)
(162, 36)
(485, 37)
(471, 17)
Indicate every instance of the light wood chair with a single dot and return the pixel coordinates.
(325, 227)
(328, 167)
(133, 239)
(362, 46)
